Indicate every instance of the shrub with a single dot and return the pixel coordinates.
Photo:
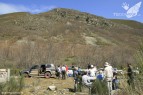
(99, 88)
(137, 87)
(13, 85)
(15, 72)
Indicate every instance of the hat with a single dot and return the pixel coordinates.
(92, 66)
(76, 68)
(106, 64)
(100, 72)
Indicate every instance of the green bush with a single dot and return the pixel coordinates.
(99, 88)
(13, 85)
(139, 77)
(137, 87)
(15, 72)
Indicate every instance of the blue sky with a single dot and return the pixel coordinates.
(104, 8)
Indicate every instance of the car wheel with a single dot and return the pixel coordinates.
(47, 75)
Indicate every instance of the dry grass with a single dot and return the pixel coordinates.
(40, 85)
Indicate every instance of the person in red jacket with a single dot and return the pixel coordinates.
(66, 68)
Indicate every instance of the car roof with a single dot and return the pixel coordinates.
(46, 64)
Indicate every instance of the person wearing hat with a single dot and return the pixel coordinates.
(100, 75)
(108, 74)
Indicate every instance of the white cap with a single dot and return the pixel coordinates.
(106, 64)
(92, 66)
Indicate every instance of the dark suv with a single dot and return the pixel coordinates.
(46, 70)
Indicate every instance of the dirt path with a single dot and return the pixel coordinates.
(38, 86)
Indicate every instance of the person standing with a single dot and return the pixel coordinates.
(108, 74)
(67, 68)
(76, 74)
(130, 75)
(92, 71)
(79, 70)
(73, 69)
(58, 72)
(89, 66)
(63, 72)
(77, 80)
(115, 81)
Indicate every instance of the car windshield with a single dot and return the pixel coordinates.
(35, 67)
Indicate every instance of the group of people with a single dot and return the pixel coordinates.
(107, 74)
(61, 71)
(92, 73)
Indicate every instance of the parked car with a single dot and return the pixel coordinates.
(46, 70)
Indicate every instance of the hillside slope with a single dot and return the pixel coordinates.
(131, 23)
(67, 36)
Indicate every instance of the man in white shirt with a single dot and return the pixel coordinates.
(92, 71)
(86, 80)
(108, 73)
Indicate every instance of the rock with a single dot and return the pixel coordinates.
(66, 90)
(55, 91)
(37, 88)
(46, 92)
(52, 88)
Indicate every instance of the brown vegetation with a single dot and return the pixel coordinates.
(64, 36)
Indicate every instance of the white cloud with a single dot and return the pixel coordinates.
(10, 8)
